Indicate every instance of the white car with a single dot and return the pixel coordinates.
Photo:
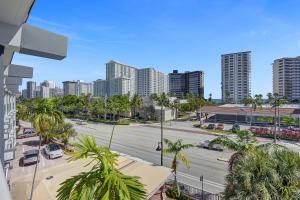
(205, 145)
(53, 151)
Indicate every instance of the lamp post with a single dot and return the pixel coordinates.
(201, 179)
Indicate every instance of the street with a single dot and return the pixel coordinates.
(141, 141)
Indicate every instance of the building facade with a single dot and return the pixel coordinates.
(19, 36)
(77, 88)
(236, 76)
(31, 89)
(123, 79)
(188, 82)
(99, 88)
(286, 77)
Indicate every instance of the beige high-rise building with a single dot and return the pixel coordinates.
(123, 79)
(236, 75)
(286, 77)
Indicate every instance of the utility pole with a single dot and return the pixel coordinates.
(202, 194)
(161, 136)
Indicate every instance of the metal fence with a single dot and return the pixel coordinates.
(195, 193)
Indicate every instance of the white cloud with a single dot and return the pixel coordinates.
(47, 22)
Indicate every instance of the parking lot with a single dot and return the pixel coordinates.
(26, 144)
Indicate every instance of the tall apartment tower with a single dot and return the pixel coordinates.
(122, 79)
(188, 82)
(99, 88)
(286, 77)
(69, 88)
(236, 72)
(31, 89)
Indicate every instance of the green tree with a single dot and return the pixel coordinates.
(98, 107)
(135, 103)
(243, 143)
(265, 173)
(176, 148)
(44, 117)
(163, 101)
(276, 101)
(196, 104)
(288, 121)
(175, 105)
(104, 181)
(254, 103)
(63, 131)
(118, 104)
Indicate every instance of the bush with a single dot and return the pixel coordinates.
(174, 193)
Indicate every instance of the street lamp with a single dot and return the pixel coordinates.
(201, 179)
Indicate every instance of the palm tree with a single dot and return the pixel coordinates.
(267, 173)
(98, 107)
(275, 101)
(243, 143)
(196, 103)
(104, 181)
(175, 105)
(67, 131)
(254, 103)
(176, 149)
(161, 100)
(44, 117)
(136, 102)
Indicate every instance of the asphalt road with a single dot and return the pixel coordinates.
(141, 141)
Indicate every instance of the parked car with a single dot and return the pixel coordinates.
(235, 128)
(53, 151)
(30, 157)
(27, 132)
(205, 145)
(211, 126)
(220, 127)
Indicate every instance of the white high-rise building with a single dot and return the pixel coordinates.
(77, 88)
(126, 80)
(236, 72)
(44, 92)
(286, 77)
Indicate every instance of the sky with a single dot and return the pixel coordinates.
(166, 34)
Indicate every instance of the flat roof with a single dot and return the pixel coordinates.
(153, 177)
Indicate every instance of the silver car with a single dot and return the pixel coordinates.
(30, 157)
(205, 145)
(53, 151)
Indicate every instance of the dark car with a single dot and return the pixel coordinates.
(235, 128)
(211, 126)
(30, 157)
(27, 132)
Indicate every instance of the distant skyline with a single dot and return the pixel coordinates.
(172, 34)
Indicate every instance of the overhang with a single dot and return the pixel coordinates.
(19, 71)
(13, 81)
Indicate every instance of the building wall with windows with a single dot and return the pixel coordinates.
(188, 82)
(236, 76)
(99, 88)
(31, 89)
(286, 77)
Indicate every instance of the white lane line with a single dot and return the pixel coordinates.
(219, 185)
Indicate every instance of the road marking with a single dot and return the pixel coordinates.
(219, 185)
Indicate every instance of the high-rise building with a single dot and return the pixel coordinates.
(44, 92)
(126, 80)
(31, 89)
(50, 84)
(236, 72)
(69, 88)
(286, 77)
(99, 88)
(77, 88)
(188, 82)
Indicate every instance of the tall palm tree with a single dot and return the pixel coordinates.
(136, 102)
(176, 148)
(254, 103)
(44, 117)
(196, 103)
(161, 100)
(104, 181)
(276, 101)
(175, 105)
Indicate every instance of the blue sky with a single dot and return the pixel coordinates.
(169, 34)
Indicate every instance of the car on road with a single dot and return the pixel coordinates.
(211, 126)
(81, 122)
(53, 151)
(27, 132)
(30, 157)
(205, 144)
(235, 128)
(220, 127)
